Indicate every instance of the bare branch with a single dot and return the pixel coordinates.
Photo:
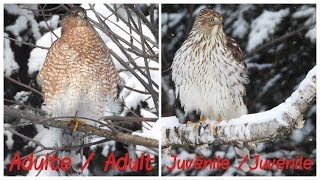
(90, 130)
(45, 20)
(129, 25)
(151, 12)
(138, 119)
(107, 30)
(42, 10)
(27, 138)
(139, 29)
(29, 44)
(138, 12)
(146, 63)
(24, 106)
(138, 91)
(269, 125)
(23, 85)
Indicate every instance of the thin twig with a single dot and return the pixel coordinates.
(115, 38)
(138, 91)
(146, 63)
(150, 68)
(167, 70)
(138, 12)
(45, 20)
(29, 44)
(23, 85)
(37, 10)
(25, 106)
(133, 28)
(139, 29)
(25, 137)
(121, 61)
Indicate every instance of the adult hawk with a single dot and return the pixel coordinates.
(209, 73)
(77, 78)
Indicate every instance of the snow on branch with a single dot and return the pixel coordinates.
(264, 126)
(35, 118)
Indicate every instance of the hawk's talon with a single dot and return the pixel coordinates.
(202, 118)
(76, 124)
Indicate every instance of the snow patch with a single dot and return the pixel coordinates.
(19, 26)
(264, 27)
(10, 65)
(311, 34)
(28, 17)
(241, 28)
(303, 12)
(52, 22)
(38, 55)
(9, 142)
(170, 20)
(271, 83)
(22, 96)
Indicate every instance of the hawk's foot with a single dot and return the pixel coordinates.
(76, 123)
(219, 118)
(190, 122)
(202, 119)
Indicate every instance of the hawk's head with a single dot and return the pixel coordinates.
(75, 17)
(77, 12)
(209, 21)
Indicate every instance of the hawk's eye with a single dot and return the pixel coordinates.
(75, 14)
(214, 20)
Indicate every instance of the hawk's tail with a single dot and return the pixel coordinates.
(74, 140)
(243, 149)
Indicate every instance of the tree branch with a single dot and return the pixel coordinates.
(269, 125)
(26, 43)
(27, 138)
(23, 85)
(89, 130)
(115, 38)
(278, 39)
(146, 63)
(138, 12)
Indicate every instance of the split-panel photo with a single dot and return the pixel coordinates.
(159, 89)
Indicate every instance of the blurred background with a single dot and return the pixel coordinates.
(30, 29)
(279, 42)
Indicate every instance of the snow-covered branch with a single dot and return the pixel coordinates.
(89, 130)
(263, 126)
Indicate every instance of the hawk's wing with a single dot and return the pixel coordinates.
(40, 77)
(234, 47)
(238, 56)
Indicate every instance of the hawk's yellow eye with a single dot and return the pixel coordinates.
(214, 20)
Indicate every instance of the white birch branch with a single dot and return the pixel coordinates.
(264, 126)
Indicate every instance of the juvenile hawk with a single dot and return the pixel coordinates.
(77, 78)
(209, 72)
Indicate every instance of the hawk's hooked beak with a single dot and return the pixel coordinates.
(218, 22)
(83, 15)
